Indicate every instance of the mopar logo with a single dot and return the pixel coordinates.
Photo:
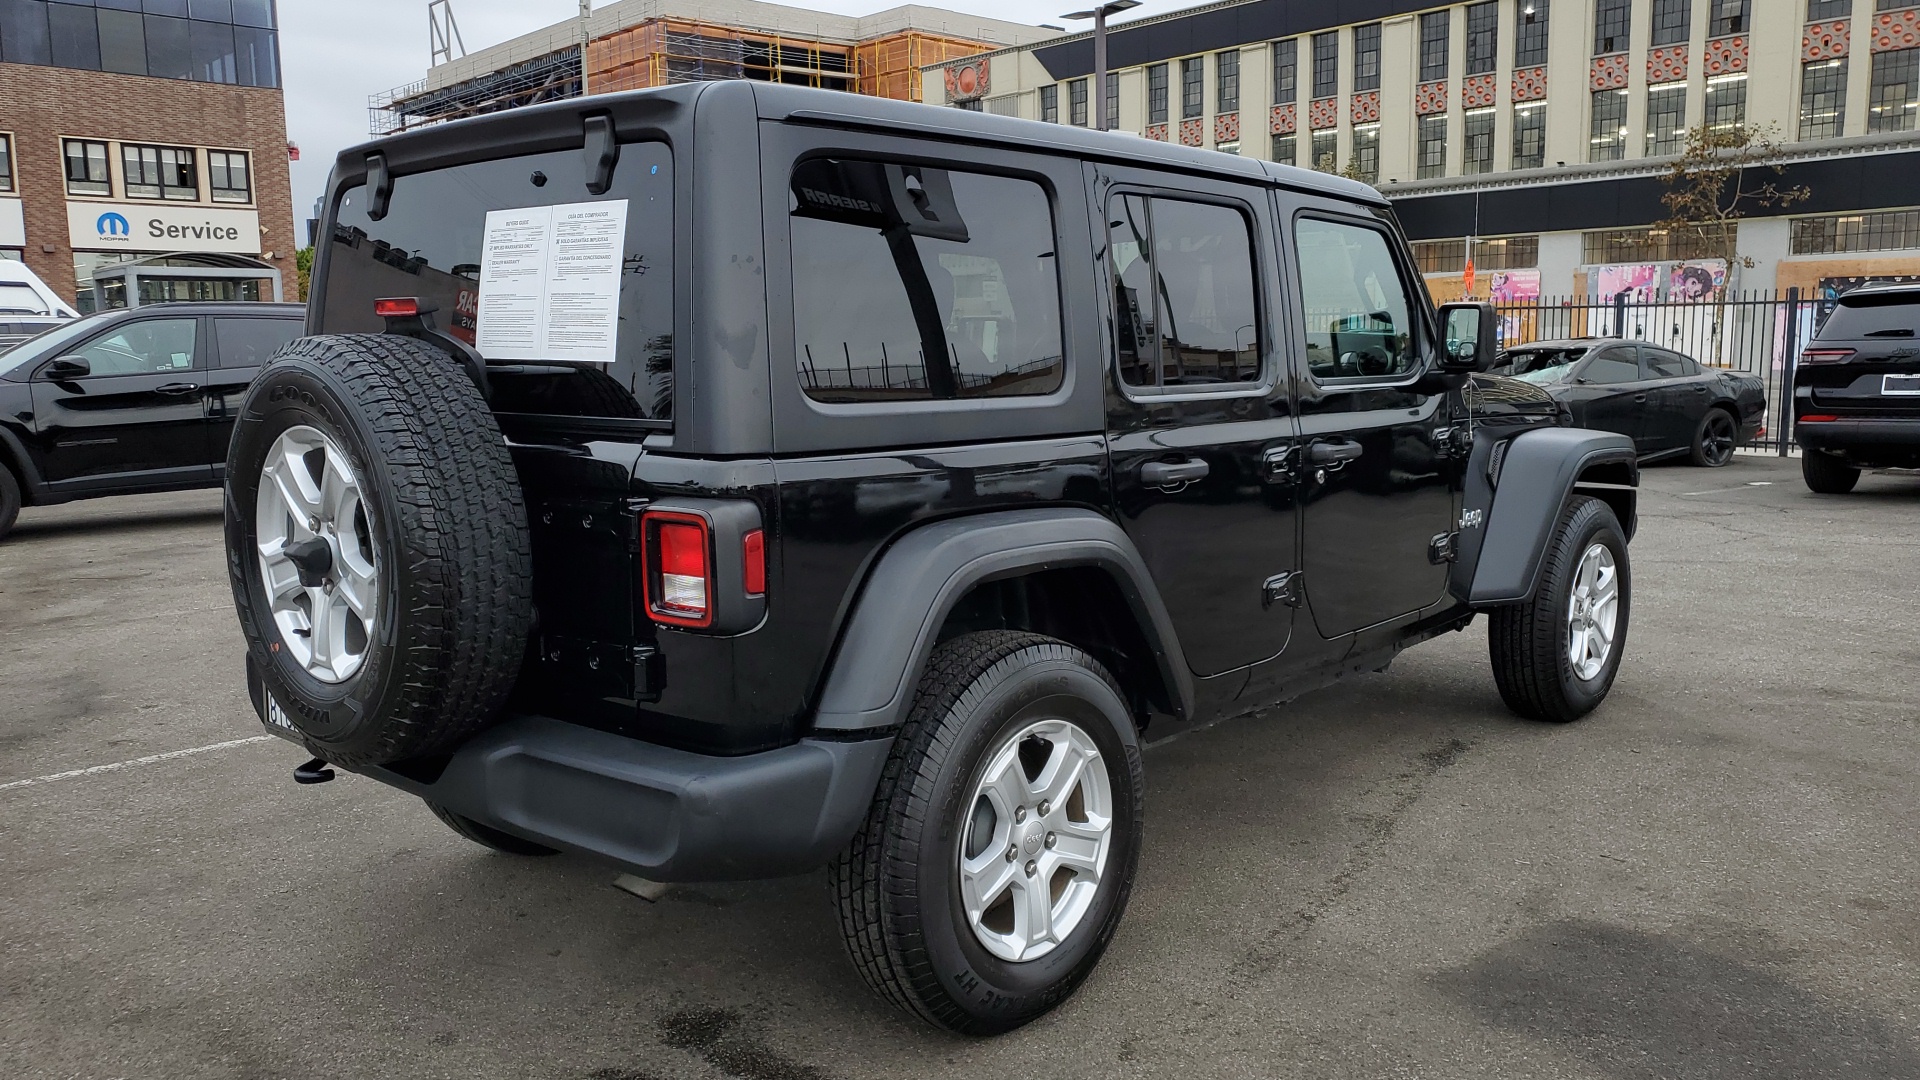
(112, 224)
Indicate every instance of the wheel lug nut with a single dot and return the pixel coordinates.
(1045, 807)
(1052, 839)
(1019, 814)
(1031, 867)
(1013, 853)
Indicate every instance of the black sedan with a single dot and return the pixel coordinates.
(1665, 402)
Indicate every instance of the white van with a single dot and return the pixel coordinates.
(27, 306)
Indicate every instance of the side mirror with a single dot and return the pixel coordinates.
(1472, 336)
(67, 367)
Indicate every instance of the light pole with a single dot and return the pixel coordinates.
(586, 39)
(1101, 121)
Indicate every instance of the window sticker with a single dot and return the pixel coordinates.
(550, 282)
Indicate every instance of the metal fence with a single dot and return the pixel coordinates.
(1753, 333)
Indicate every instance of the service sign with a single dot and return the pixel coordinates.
(151, 227)
(13, 224)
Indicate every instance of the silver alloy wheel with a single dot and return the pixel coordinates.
(316, 554)
(1593, 612)
(1039, 828)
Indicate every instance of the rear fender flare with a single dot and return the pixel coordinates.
(1540, 470)
(915, 584)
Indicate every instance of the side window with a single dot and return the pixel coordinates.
(1359, 319)
(250, 342)
(912, 283)
(1612, 366)
(1184, 294)
(148, 347)
(1662, 364)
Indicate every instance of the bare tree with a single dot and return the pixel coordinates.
(1723, 175)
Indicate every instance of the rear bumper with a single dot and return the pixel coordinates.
(667, 814)
(1869, 434)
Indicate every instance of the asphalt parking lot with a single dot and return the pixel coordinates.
(1713, 876)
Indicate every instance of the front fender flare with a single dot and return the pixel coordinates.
(908, 595)
(1538, 472)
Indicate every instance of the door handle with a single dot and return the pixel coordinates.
(1169, 473)
(1332, 455)
(176, 389)
(1639, 397)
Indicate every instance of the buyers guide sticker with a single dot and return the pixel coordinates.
(550, 282)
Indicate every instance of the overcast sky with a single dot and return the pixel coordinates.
(337, 53)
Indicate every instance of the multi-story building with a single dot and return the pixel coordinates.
(145, 142)
(640, 43)
(1534, 132)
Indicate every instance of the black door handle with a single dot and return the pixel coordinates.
(175, 389)
(1169, 473)
(1639, 397)
(1323, 454)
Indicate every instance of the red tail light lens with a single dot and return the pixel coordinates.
(396, 307)
(1818, 418)
(1825, 356)
(679, 569)
(754, 557)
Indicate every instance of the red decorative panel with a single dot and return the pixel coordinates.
(1896, 30)
(1226, 127)
(1826, 40)
(1725, 56)
(1609, 72)
(1479, 91)
(1366, 107)
(1529, 83)
(968, 81)
(1157, 131)
(1668, 64)
(1430, 98)
(1284, 120)
(1193, 132)
(1323, 113)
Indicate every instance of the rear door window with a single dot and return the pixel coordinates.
(252, 342)
(1612, 366)
(1662, 364)
(1184, 297)
(913, 283)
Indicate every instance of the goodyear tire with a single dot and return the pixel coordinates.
(1555, 654)
(377, 547)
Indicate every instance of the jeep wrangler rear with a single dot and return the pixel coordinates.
(731, 480)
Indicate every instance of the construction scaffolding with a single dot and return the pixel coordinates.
(666, 51)
(544, 78)
(889, 67)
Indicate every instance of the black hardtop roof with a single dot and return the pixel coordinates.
(556, 125)
(1564, 343)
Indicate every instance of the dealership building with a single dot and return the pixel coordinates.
(1533, 133)
(143, 149)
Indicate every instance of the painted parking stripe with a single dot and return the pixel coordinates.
(118, 765)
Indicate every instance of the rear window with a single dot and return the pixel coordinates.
(436, 236)
(1891, 315)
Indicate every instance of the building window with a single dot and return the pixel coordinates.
(1366, 57)
(1729, 17)
(1440, 256)
(1607, 136)
(227, 174)
(1435, 26)
(1077, 102)
(1286, 148)
(1818, 10)
(1889, 230)
(1489, 253)
(1896, 81)
(1113, 100)
(1226, 71)
(1157, 94)
(1672, 21)
(1433, 147)
(1326, 64)
(1530, 33)
(1478, 156)
(1823, 99)
(1530, 135)
(6, 163)
(1193, 87)
(160, 172)
(1286, 71)
(1726, 102)
(1050, 104)
(87, 168)
(1228, 148)
(1666, 118)
(1653, 244)
(225, 41)
(1483, 37)
(1004, 105)
(964, 106)
(1326, 150)
(1366, 152)
(1611, 22)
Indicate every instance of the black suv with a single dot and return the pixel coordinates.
(731, 480)
(1856, 390)
(130, 401)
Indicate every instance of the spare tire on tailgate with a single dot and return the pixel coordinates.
(377, 544)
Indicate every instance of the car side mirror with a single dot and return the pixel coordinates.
(1471, 333)
(68, 367)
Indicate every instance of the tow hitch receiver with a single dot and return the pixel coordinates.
(313, 772)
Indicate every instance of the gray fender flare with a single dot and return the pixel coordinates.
(907, 596)
(1538, 472)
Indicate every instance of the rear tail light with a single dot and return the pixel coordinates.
(1825, 356)
(397, 307)
(1818, 418)
(678, 550)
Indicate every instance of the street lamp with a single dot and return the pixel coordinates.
(1099, 17)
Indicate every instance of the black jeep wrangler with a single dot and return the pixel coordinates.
(730, 480)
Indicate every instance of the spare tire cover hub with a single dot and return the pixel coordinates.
(316, 554)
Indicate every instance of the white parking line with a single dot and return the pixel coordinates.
(118, 765)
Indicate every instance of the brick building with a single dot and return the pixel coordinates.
(156, 137)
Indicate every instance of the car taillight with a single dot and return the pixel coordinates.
(1818, 418)
(1825, 356)
(397, 307)
(679, 568)
(753, 557)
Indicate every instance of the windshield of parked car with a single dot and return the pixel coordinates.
(1539, 366)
